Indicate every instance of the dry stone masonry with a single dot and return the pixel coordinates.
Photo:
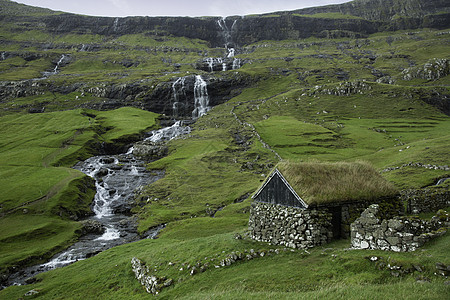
(289, 226)
(426, 200)
(152, 284)
(399, 234)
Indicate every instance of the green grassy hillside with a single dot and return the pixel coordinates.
(42, 195)
(382, 99)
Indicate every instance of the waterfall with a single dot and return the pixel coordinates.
(116, 24)
(225, 31)
(3, 56)
(55, 70)
(234, 25)
(178, 89)
(441, 181)
(236, 63)
(231, 52)
(210, 62)
(169, 133)
(201, 97)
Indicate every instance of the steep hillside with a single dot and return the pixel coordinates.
(363, 80)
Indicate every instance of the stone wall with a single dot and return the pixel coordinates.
(289, 226)
(426, 200)
(152, 284)
(304, 228)
(399, 234)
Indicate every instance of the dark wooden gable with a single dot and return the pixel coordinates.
(276, 190)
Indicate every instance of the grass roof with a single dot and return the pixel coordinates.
(321, 183)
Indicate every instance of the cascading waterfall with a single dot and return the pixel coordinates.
(231, 52)
(178, 89)
(169, 133)
(236, 63)
(210, 62)
(3, 56)
(225, 31)
(226, 62)
(117, 177)
(116, 24)
(201, 104)
(55, 70)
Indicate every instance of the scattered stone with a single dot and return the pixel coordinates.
(152, 284)
(31, 293)
(442, 269)
(423, 279)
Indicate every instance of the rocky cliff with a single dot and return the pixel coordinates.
(359, 16)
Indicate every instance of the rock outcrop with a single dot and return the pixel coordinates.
(357, 17)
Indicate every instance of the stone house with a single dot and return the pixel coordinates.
(304, 205)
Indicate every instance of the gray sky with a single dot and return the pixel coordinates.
(194, 8)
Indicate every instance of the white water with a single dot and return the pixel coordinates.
(234, 25)
(231, 52)
(134, 171)
(178, 89)
(169, 133)
(215, 60)
(441, 181)
(236, 63)
(225, 31)
(63, 259)
(210, 62)
(55, 70)
(3, 56)
(201, 105)
(116, 24)
(110, 234)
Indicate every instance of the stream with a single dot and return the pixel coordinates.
(117, 177)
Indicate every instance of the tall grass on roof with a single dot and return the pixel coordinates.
(320, 183)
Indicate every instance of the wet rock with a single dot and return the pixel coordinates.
(102, 173)
(92, 226)
(107, 160)
(30, 280)
(149, 150)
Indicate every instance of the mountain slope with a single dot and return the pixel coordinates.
(322, 84)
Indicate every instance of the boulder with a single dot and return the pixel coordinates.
(92, 226)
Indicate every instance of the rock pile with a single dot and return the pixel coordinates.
(399, 234)
(433, 70)
(346, 88)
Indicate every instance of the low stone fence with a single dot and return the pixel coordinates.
(426, 200)
(399, 234)
(289, 226)
(152, 284)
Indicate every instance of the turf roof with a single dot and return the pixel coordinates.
(321, 183)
